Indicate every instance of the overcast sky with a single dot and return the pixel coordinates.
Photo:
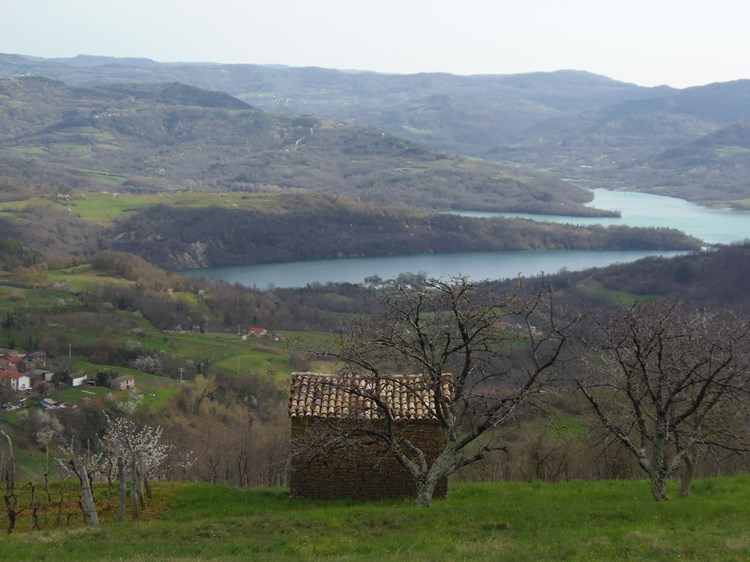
(648, 42)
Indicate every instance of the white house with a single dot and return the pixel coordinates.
(16, 381)
(78, 379)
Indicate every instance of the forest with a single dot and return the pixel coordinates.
(183, 231)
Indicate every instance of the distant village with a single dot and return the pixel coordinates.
(27, 374)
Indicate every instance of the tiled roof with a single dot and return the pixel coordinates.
(409, 397)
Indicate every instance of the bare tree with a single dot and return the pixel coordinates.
(668, 382)
(11, 495)
(499, 351)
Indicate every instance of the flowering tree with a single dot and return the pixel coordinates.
(125, 448)
(139, 449)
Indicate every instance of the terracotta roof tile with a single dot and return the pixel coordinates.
(338, 396)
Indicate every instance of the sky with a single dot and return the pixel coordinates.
(680, 43)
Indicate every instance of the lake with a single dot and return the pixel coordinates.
(714, 226)
(637, 209)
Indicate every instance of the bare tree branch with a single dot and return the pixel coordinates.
(668, 372)
(495, 351)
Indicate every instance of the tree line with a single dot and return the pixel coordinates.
(319, 228)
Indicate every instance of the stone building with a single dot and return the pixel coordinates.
(125, 382)
(331, 461)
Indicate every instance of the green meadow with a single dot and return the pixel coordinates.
(596, 289)
(104, 207)
(519, 521)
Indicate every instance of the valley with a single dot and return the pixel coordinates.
(124, 182)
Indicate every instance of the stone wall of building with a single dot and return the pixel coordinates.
(360, 470)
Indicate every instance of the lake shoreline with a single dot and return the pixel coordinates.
(637, 209)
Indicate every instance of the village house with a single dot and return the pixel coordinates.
(321, 405)
(125, 382)
(257, 332)
(78, 378)
(14, 380)
(12, 363)
(42, 375)
(37, 358)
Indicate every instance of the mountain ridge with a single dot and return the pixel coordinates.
(153, 137)
(572, 124)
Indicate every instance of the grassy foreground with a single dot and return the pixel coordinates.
(504, 521)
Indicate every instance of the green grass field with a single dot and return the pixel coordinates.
(609, 520)
(155, 390)
(595, 289)
(103, 207)
(226, 351)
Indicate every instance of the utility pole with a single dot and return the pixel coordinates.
(181, 369)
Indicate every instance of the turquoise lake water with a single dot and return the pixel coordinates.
(637, 209)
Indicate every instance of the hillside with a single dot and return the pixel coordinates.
(185, 230)
(508, 521)
(713, 168)
(117, 314)
(171, 137)
(713, 279)
(621, 133)
(179, 238)
(464, 114)
(574, 124)
(716, 278)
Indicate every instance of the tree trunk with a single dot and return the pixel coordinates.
(34, 507)
(11, 503)
(425, 490)
(58, 519)
(46, 473)
(88, 495)
(659, 486)
(147, 486)
(11, 499)
(659, 471)
(133, 486)
(122, 500)
(141, 498)
(686, 481)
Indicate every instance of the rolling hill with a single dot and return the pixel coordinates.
(712, 169)
(173, 137)
(574, 124)
(622, 133)
(463, 114)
